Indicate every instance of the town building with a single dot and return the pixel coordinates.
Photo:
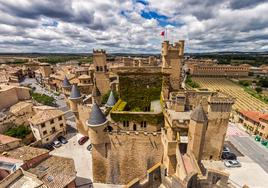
(208, 69)
(47, 124)
(155, 125)
(35, 165)
(29, 68)
(253, 121)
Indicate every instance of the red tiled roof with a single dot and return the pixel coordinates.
(264, 116)
(252, 115)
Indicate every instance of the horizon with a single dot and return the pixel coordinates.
(124, 26)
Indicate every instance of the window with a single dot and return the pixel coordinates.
(47, 139)
(43, 125)
(45, 132)
(100, 68)
(262, 127)
(61, 125)
(97, 68)
(85, 81)
(53, 129)
(142, 124)
(260, 134)
(127, 123)
(60, 118)
(52, 121)
(124, 124)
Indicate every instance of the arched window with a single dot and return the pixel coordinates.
(100, 68)
(105, 68)
(97, 68)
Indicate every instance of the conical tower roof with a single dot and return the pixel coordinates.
(66, 83)
(96, 116)
(111, 100)
(199, 114)
(75, 94)
(95, 92)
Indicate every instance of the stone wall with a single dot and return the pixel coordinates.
(127, 156)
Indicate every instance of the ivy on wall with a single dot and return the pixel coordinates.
(140, 89)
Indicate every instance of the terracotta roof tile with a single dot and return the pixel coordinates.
(60, 169)
(6, 139)
(19, 106)
(27, 153)
(43, 116)
(252, 115)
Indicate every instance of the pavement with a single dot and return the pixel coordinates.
(250, 174)
(251, 148)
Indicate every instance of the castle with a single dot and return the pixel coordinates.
(156, 131)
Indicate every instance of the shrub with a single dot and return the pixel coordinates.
(258, 89)
(137, 109)
(18, 132)
(250, 73)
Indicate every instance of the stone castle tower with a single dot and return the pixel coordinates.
(101, 71)
(45, 69)
(196, 134)
(171, 57)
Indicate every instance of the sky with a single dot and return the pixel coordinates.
(132, 26)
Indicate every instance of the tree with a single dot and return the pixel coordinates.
(250, 73)
(258, 89)
(256, 131)
(18, 132)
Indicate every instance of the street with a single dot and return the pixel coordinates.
(254, 150)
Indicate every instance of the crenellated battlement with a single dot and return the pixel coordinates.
(99, 52)
(216, 99)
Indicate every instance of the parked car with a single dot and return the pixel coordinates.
(56, 143)
(232, 163)
(231, 156)
(89, 148)
(62, 140)
(83, 140)
(49, 147)
(225, 150)
(34, 88)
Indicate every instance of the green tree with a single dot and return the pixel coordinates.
(250, 73)
(256, 131)
(258, 89)
(18, 132)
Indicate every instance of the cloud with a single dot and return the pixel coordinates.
(132, 26)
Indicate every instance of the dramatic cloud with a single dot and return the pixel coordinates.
(132, 26)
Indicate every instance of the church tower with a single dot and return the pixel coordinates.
(101, 71)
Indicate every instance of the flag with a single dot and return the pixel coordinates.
(163, 33)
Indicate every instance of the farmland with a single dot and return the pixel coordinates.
(243, 100)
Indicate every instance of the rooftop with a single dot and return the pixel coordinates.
(23, 179)
(96, 116)
(6, 139)
(84, 76)
(27, 153)
(19, 106)
(45, 115)
(75, 94)
(254, 115)
(54, 171)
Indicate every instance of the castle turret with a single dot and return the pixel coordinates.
(96, 124)
(66, 89)
(75, 98)
(96, 95)
(196, 134)
(111, 100)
